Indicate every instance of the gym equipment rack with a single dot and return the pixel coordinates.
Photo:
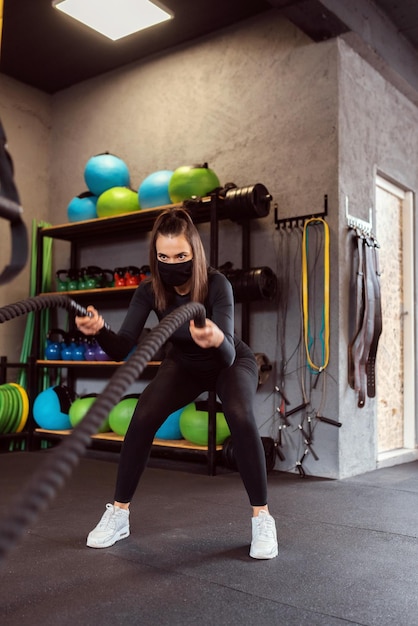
(239, 205)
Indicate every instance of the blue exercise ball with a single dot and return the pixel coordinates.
(153, 191)
(82, 207)
(170, 429)
(51, 408)
(104, 171)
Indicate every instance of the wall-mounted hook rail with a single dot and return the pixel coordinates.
(357, 223)
(299, 221)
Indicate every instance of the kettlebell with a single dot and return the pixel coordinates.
(73, 275)
(107, 278)
(93, 277)
(90, 347)
(74, 350)
(62, 280)
(82, 278)
(78, 350)
(53, 348)
(66, 351)
(119, 274)
(132, 276)
(144, 272)
(100, 354)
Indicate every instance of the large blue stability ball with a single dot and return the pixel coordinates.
(104, 171)
(116, 201)
(51, 408)
(194, 425)
(170, 429)
(80, 408)
(192, 180)
(121, 414)
(82, 207)
(153, 191)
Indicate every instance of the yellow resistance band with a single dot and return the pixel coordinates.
(305, 295)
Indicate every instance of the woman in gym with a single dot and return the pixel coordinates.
(197, 360)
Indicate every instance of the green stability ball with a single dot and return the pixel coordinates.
(192, 180)
(116, 201)
(80, 407)
(194, 424)
(121, 414)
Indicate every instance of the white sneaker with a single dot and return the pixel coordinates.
(113, 526)
(264, 542)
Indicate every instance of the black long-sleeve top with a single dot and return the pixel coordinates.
(219, 307)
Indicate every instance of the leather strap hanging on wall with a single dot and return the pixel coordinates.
(356, 304)
(378, 322)
(365, 310)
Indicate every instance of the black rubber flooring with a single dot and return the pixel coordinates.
(348, 550)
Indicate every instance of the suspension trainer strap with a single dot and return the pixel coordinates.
(378, 324)
(355, 300)
(324, 333)
(364, 338)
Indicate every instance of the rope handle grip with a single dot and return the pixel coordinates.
(81, 311)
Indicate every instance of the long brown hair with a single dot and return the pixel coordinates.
(172, 223)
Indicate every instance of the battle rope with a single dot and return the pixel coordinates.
(324, 333)
(60, 462)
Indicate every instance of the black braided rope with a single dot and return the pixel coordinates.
(60, 462)
(37, 303)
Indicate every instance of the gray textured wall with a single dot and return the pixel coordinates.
(26, 117)
(258, 102)
(261, 103)
(378, 130)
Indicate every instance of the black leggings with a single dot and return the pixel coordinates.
(173, 388)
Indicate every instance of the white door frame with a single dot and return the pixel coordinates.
(409, 364)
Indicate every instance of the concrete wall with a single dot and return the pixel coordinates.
(378, 132)
(260, 103)
(26, 116)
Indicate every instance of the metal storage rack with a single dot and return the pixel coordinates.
(212, 210)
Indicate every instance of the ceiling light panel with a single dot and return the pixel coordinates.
(115, 18)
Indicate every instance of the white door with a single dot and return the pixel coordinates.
(395, 363)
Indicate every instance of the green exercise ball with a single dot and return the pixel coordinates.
(80, 407)
(116, 201)
(192, 180)
(194, 424)
(121, 414)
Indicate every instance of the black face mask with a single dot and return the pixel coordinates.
(175, 274)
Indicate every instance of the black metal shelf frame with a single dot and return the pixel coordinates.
(203, 210)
